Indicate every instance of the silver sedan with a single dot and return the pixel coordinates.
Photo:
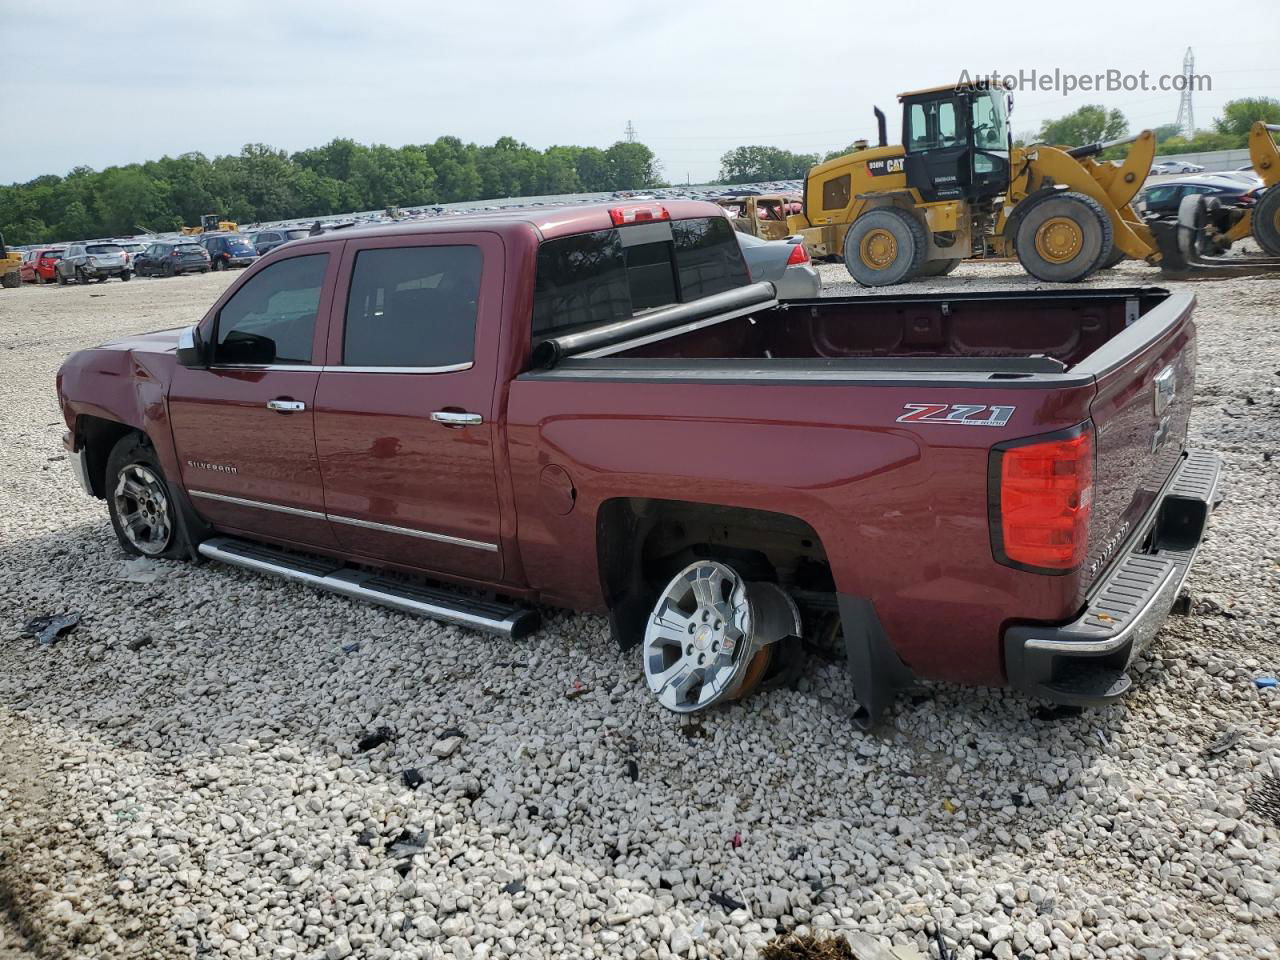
(785, 263)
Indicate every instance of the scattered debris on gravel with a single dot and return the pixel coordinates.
(183, 774)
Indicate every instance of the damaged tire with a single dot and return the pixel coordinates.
(143, 511)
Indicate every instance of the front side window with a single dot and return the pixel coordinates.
(272, 318)
(413, 307)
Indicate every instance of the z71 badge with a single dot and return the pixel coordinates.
(963, 414)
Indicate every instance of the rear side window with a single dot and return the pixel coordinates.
(413, 307)
(614, 274)
(272, 318)
(104, 248)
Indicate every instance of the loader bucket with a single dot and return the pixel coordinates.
(1195, 245)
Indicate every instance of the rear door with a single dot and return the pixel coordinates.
(244, 428)
(405, 411)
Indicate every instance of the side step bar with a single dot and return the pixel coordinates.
(501, 619)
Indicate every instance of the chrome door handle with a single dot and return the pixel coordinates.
(451, 419)
(286, 406)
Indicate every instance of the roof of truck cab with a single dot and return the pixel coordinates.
(550, 222)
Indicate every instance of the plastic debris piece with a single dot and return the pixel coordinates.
(49, 628)
(366, 838)
(409, 844)
(578, 690)
(141, 570)
(514, 887)
(1229, 738)
(633, 770)
(948, 806)
(736, 842)
(376, 739)
(1057, 711)
(411, 778)
(726, 901)
(351, 647)
(1265, 683)
(449, 732)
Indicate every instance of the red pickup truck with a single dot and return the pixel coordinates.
(595, 408)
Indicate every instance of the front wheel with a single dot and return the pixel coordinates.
(1266, 221)
(143, 512)
(62, 281)
(937, 268)
(1064, 237)
(126, 276)
(168, 270)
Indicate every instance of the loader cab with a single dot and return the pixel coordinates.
(956, 142)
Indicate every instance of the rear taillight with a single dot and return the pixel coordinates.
(638, 214)
(798, 255)
(1040, 515)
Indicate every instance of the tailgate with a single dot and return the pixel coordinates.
(1145, 378)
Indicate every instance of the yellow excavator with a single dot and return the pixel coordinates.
(10, 266)
(957, 187)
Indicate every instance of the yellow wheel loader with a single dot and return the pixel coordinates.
(10, 266)
(209, 223)
(957, 188)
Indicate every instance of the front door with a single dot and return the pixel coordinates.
(937, 159)
(405, 416)
(244, 428)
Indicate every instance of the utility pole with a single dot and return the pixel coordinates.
(1186, 119)
(631, 132)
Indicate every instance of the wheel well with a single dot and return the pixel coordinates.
(642, 543)
(96, 437)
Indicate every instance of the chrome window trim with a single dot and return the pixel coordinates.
(337, 368)
(350, 521)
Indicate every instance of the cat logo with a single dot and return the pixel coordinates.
(880, 168)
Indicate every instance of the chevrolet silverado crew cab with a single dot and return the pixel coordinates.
(595, 408)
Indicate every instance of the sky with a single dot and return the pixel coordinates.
(127, 83)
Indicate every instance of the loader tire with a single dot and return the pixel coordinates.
(1266, 222)
(11, 280)
(937, 268)
(884, 247)
(1064, 237)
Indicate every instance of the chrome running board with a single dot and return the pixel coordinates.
(501, 619)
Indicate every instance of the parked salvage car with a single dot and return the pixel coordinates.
(98, 261)
(168, 258)
(228, 250)
(594, 407)
(264, 241)
(1163, 199)
(762, 216)
(40, 265)
(784, 263)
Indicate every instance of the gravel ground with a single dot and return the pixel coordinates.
(179, 776)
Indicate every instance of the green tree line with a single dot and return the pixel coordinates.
(261, 183)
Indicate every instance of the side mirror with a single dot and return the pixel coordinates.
(191, 349)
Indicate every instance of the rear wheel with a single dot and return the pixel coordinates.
(62, 281)
(144, 514)
(1266, 221)
(884, 247)
(709, 635)
(81, 276)
(1064, 237)
(126, 276)
(11, 280)
(167, 270)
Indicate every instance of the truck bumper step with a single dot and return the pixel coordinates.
(1085, 662)
(438, 603)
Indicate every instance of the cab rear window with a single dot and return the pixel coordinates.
(613, 274)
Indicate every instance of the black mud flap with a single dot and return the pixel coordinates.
(875, 669)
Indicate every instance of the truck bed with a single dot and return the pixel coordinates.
(1039, 332)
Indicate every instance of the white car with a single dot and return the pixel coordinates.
(1175, 166)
